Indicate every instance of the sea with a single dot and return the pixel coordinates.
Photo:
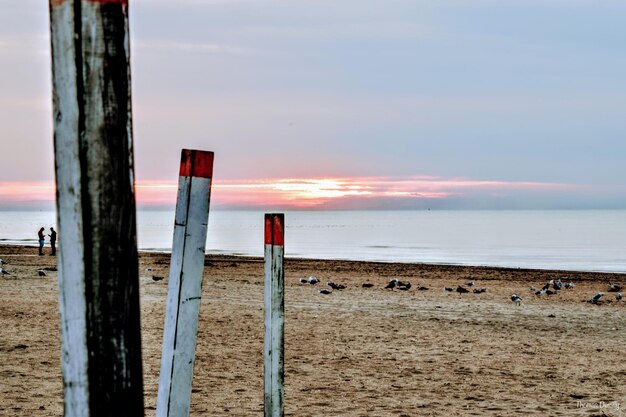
(576, 240)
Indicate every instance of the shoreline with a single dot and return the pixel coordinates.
(477, 271)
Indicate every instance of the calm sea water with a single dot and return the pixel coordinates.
(572, 240)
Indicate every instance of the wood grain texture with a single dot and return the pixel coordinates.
(274, 373)
(98, 285)
(185, 286)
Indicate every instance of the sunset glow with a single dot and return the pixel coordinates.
(307, 193)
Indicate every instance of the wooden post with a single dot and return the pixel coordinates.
(274, 373)
(98, 266)
(185, 283)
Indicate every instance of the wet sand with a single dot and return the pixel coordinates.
(356, 352)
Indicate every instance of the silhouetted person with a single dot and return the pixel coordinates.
(53, 241)
(42, 240)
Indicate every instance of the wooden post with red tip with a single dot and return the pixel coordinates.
(98, 263)
(185, 283)
(274, 373)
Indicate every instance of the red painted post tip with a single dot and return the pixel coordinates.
(274, 229)
(194, 163)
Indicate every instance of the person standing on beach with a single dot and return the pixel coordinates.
(42, 240)
(53, 241)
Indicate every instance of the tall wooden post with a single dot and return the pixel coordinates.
(98, 267)
(185, 283)
(274, 373)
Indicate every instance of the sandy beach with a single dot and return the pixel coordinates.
(355, 352)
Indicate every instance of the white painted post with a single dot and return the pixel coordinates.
(98, 265)
(274, 374)
(185, 283)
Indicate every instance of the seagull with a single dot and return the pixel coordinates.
(597, 297)
(550, 292)
(569, 285)
(516, 299)
(41, 273)
(480, 290)
(422, 288)
(545, 287)
(3, 262)
(448, 289)
(403, 283)
(304, 281)
(3, 272)
(533, 289)
(461, 290)
(470, 284)
(392, 284)
(619, 296)
(615, 288)
(157, 278)
(313, 280)
(557, 285)
(335, 286)
(367, 285)
(541, 292)
(325, 292)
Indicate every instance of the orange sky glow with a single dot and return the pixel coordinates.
(299, 193)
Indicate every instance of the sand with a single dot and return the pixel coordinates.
(356, 352)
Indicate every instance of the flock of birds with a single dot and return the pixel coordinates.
(553, 286)
(550, 288)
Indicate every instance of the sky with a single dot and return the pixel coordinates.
(373, 104)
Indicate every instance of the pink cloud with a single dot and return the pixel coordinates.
(302, 193)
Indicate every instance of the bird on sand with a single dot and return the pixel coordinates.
(516, 299)
(157, 278)
(392, 284)
(461, 290)
(618, 296)
(480, 290)
(448, 289)
(422, 288)
(313, 280)
(3, 262)
(325, 292)
(367, 285)
(304, 281)
(569, 285)
(3, 272)
(335, 286)
(597, 297)
(404, 286)
(41, 273)
(615, 288)
(533, 289)
(470, 284)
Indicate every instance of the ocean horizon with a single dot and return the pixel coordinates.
(575, 240)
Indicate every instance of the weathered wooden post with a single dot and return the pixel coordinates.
(98, 267)
(185, 283)
(274, 374)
